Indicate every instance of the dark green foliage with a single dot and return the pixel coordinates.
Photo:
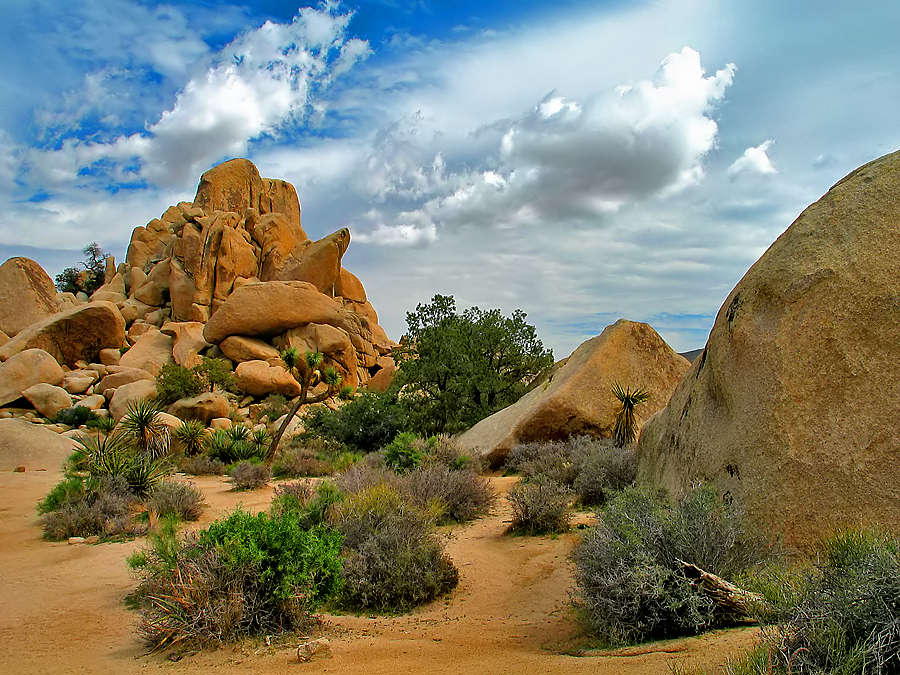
(216, 373)
(392, 559)
(114, 456)
(404, 453)
(249, 476)
(104, 425)
(191, 434)
(540, 506)
(175, 382)
(366, 424)
(75, 416)
(102, 509)
(460, 368)
(176, 498)
(201, 465)
(244, 575)
(144, 429)
(625, 431)
(630, 587)
(88, 279)
(232, 445)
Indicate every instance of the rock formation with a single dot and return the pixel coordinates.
(792, 408)
(27, 295)
(578, 398)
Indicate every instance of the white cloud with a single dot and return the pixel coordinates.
(754, 160)
(398, 235)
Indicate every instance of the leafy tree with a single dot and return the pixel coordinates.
(456, 369)
(89, 279)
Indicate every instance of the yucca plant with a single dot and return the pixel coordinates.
(115, 456)
(259, 440)
(625, 430)
(238, 433)
(218, 445)
(142, 423)
(191, 434)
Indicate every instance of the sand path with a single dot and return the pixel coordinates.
(61, 608)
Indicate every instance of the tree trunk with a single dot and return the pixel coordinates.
(273, 447)
(734, 600)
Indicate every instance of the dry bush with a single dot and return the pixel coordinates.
(294, 462)
(249, 476)
(367, 473)
(106, 511)
(459, 495)
(201, 465)
(539, 507)
(171, 497)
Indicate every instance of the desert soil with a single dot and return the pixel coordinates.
(62, 611)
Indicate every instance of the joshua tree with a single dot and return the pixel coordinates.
(625, 430)
(307, 373)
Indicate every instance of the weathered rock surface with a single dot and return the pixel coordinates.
(189, 342)
(79, 381)
(578, 398)
(72, 335)
(48, 399)
(31, 446)
(151, 352)
(203, 407)
(122, 376)
(130, 393)
(27, 295)
(25, 369)
(260, 379)
(793, 406)
(240, 348)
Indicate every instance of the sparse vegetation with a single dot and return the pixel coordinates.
(89, 277)
(176, 498)
(75, 416)
(540, 506)
(249, 476)
(630, 587)
(103, 508)
(201, 465)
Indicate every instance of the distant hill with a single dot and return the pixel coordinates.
(691, 355)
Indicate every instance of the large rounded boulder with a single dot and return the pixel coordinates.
(578, 397)
(792, 408)
(27, 295)
(26, 369)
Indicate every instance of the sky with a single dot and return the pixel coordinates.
(581, 161)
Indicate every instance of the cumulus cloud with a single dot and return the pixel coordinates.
(754, 160)
(564, 160)
(260, 83)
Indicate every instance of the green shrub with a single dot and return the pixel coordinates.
(274, 406)
(144, 429)
(216, 373)
(176, 498)
(405, 452)
(70, 489)
(89, 277)
(201, 465)
(628, 584)
(244, 575)
(104, 425)
(310, 505)
(75, 416)
(231, 445)
(366, 424)
(191, 434)
(249, 476)
(539, 507)
(604, 472)
(392, 559)
(311, 457)
(175, 382)
(113, 456)
(104, 511)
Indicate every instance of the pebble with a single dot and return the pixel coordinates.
(76, 540)
(307, 650)
(19, 469)
(93, 539)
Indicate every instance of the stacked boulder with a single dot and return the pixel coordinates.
(231, 275)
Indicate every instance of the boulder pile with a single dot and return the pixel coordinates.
(231, 275)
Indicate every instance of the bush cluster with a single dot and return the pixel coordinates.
(175, 382)
(593, 468)
(366, 424)
(540, 506)
(104, 508)
(237, 444)
(201, 465)
(628, 584)
(176, 498)
(244, 575)
(249, 476)
(75, 416)
(311, 457)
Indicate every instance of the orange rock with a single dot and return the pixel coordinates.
(27, 295)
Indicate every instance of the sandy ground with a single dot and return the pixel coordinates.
(62, 611)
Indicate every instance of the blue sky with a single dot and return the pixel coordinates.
(581, 161)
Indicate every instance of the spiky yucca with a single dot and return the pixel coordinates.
(142, 423)
(191, 434)
(625, 430)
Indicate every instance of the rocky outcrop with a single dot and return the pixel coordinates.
(151, 352)
(792, 407)
(188, 342)
(25, 369)
(127, 394)
(73, 335)
(27, 295)
(48, 399)
(578, 398)
(203, 407)
(122, 376)
(258, 378)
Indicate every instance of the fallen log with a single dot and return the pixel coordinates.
(733, 599)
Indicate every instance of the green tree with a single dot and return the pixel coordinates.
(458, 368)
(89, 279)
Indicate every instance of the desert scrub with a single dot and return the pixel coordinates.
(366, 424)
(249, 476)
(629, 586)
(176, 498)
(392, 559)
(459, 496)
(104, 510)
(190, 434)
(311, 504)
(539, 507)
(310, 457)
(244, 575)
(201, 465)
(603, 472)
(236, 444)
(75, 416)
(175, 382)
(405, 452)
(274, 406)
